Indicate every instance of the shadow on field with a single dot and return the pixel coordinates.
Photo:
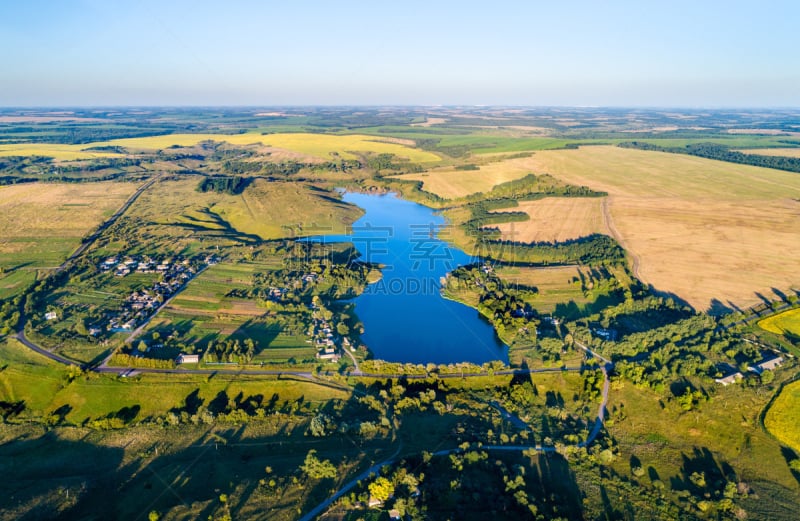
(789, 455)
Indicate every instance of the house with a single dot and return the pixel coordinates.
(373, 502)
(187, 359)
(730, 379)
(51, 315)
(394, 514)
(766, 365)
(325, 355)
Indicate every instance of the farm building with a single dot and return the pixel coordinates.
(188, 359)
(767, 365)
(730, 379)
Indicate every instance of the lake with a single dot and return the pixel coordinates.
(404, 315)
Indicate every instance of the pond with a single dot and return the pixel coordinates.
(404, 315)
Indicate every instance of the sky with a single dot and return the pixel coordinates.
(704, 53)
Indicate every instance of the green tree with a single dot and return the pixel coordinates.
(381, 489)
(315, 468)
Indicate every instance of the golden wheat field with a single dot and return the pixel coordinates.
(54, 150)
(697, 228)
(322, 146)
(319, 146)
(555, 219)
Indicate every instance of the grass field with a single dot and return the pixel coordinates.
(701, 229)
(563, 289)
(783, 417)
(267, 209)
(556, 285)
(555, 219)
(786, 322)
(450, 183)
(43, 386)
(43, 223)
(670, 444)
(273, 210)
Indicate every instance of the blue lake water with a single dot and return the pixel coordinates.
(405, 317)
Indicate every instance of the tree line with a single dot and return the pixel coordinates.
(723, 153)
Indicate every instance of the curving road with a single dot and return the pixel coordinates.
(20, 336)
(598, 426)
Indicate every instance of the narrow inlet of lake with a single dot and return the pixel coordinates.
(404, 315)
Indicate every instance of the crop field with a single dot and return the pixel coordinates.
(783, 416)
(321, 146)
(267, 209)
(54, 150)
(43, 223)
(555, 219)
(450, 183)
(204, 307)
(782, 152)
(203, 311)
(782, 323)
(697, 228)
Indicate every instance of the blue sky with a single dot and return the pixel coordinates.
(241, 52)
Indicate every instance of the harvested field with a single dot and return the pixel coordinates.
(782, 152)
(703, 230)
(556, 219)
(450, 183)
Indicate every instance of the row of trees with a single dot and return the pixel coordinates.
(723, 153)
(595, 249)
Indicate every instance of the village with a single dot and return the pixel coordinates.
(139, 306)
(323, 331)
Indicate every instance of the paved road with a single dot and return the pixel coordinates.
(357, 371)
(598, 425)
(42, 351)
(344, 489)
